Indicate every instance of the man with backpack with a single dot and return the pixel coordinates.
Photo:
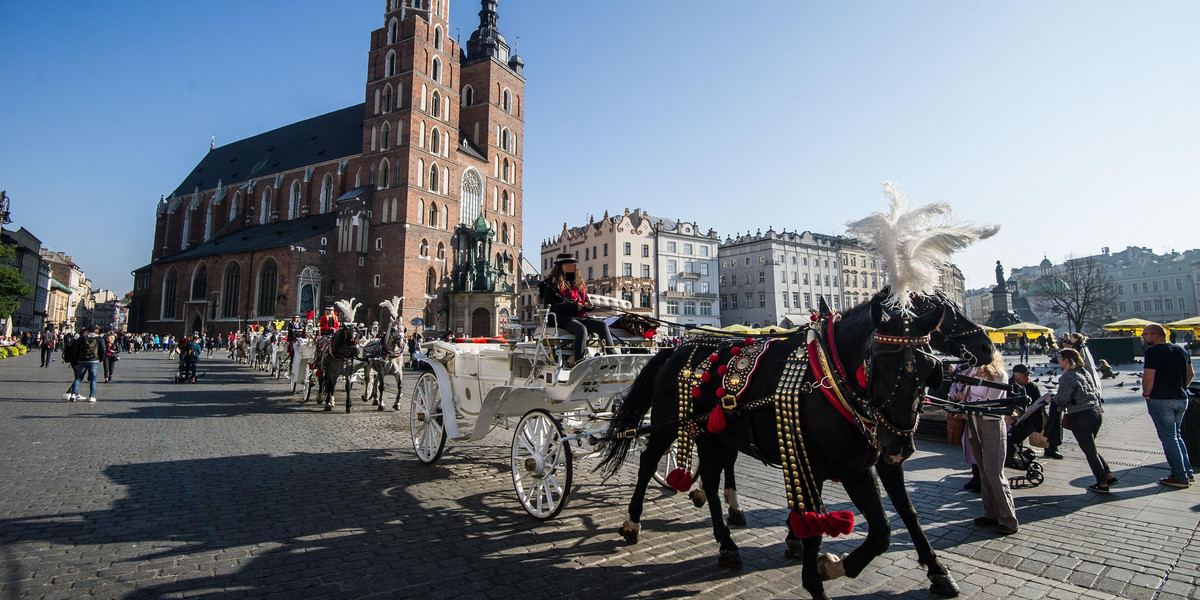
(84, 355)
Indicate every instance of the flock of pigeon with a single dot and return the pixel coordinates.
(1049, 378)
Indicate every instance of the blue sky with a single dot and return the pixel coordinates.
(1074, 125)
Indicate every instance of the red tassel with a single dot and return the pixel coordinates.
(720, 393)
(679, 480)
(861, 374)
(716, 420)
(723, 369)
(808, 524)
(748, 341)
(712, 358)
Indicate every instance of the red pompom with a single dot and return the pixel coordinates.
(720, 393)
(679, 480)
(706, 377)
(861, 374)
(838, 522)
(749, 341)
(695, 392)
(723, 369)
(813, 317)
(716, 420)
(712, 358)
(735, 351)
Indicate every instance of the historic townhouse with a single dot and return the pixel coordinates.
(414, 193)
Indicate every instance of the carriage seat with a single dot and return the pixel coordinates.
(562, 342)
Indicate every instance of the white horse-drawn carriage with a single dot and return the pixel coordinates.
(471, 387)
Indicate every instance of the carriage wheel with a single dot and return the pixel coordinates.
(308, 385)
(541, 465)
(670, 461)
(425, 419)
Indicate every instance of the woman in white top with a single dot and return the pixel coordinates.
(989, 439)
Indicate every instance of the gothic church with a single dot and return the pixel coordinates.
(414, 193)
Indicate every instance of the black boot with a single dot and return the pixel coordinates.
(973, 484)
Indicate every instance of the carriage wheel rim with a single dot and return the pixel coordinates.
(427, 431)
(540, 489)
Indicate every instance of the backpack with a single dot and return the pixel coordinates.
(88, 349)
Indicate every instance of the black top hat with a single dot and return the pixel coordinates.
(1020, 369)
(565, 257)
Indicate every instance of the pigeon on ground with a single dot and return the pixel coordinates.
(1122, 384)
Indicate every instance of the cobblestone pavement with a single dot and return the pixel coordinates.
(233, 488)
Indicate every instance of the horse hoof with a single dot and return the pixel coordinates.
(630, 535)
(347, 410)
(944, 585)
(736, 517)
(396, 406)
(830, 566)
(729, 559)
(381, 408)
(793, 549)
(699, 498)
(328, 408)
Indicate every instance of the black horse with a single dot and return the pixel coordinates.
(958, 336)
(882, 350)
(337, 360)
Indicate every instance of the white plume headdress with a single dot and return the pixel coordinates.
(914, 242)
(348, 308)
(393, 306)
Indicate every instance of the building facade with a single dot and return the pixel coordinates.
(775, 278)
(688, 276)
(862, 273)
(79, 303)
(616, 256)
(363, 202)
(31, 309)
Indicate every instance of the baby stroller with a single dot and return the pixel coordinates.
(1031, 420)
(187, 364)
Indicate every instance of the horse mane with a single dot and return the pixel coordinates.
(914, 241)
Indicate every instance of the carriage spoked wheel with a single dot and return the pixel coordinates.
(308, 385)
(425, 419)
(670, 461)
(541, 465)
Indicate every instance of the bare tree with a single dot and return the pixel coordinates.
(1080, 290)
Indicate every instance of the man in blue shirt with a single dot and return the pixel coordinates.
(1167, 373)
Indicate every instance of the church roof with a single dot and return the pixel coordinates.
(312, 141)
(260, 237)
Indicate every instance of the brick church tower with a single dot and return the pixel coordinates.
(363, 202)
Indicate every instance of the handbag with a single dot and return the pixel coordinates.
(1066, 422)
(1037, 440)
(956, 423)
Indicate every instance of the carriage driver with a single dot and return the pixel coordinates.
(295, 331)
(566, 295)
(329, 321)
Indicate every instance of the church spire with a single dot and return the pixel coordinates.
(486, 41)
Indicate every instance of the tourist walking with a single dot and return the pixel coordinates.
(1078, 398)
(110, 357)
(84, 355)
(47, 345)
(1167, 373)
(988, 437)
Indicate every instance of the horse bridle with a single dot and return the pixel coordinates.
(911, 346)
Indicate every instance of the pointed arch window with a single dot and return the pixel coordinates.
(506, 101)
(435, 105)
(387, 99)
(200, 283)
(208, 222)
(187, 228)
(468, 95)
(170, 285)
(393, 31)
(264, 214)
(504, 203)
(294, 203)
(504, 172)
(267, 277)
(441, 251)
(470, 196)
(423, 250)
(231, 291)
(505, 140)
(421, 211)
(435, 141)
(437, 37)
(235, 207)
(433, 217)
(327, 193)
(433, 178)
(436, 72)
(389, 63)
(385, 134)
(431, 281)
(385, 173)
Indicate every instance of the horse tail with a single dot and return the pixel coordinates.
(634, 406)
